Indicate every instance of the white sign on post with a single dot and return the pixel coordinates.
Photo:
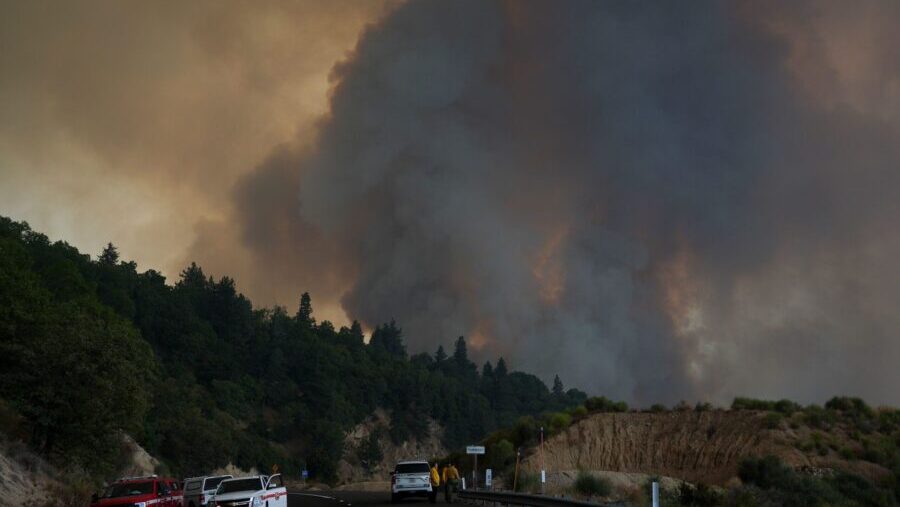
(543, 476)
(488, 476)
(475, 449)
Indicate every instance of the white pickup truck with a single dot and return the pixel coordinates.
(253, 491)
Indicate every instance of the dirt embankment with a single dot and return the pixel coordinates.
(695, 446)
(352, 470)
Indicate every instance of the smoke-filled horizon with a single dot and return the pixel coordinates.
(655, 201)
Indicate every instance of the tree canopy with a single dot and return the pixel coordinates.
(202, 378)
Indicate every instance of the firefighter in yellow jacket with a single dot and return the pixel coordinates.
(450, 479)
(435, 483)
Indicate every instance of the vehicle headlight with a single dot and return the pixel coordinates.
(255, 502)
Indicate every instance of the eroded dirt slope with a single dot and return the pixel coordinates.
(694, 446)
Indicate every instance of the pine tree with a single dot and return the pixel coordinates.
(500, 370)
(109, 256)
(487, 371)
(440, 356)
(558, 389)
(460, 355)
(356, 331)
(304, 313)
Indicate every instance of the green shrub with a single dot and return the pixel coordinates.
(786, 407)
(767, 472)
(773, 420)
(819, 418)
(752, 404)
(579, 411)
(703, 407)
(558, 422)
(847, 453)
(591, 485)
(604, 404)
(700, 495)
(527, 482)
(657, 408)
(854, 407)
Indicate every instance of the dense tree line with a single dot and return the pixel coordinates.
(201, 378)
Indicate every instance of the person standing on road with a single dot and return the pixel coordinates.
(435, 483)
(451, 481)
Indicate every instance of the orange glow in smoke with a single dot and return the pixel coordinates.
(548, 269)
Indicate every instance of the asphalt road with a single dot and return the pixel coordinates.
(353, 499)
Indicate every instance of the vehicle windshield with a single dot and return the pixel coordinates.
(412, 468)
(212, 482)
(231, 486)
(128, 489)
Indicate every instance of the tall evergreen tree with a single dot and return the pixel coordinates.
(109, 256)
(356, 331)
(304, 313)
(500, 370)
(440, 356)
(460, 354)
(558, 389)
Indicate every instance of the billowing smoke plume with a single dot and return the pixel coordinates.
(654, 201)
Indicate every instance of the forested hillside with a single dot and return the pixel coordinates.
(202, 378)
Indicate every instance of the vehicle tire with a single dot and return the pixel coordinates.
(394, 498)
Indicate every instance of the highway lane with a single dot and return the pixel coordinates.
(353, 499)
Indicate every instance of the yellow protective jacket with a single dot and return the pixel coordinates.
(450, 473)
(435, 477)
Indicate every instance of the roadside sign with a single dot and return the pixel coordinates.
(475, 449)
(305, 474)
(543, 476)
(488, 476)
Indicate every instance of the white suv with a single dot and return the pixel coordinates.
(253, 491)
(412, 478)
(200, 490)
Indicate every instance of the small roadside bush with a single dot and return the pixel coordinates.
(527, 482)
(765, 473)
(657, 408)
(700, 495)
(590, 485)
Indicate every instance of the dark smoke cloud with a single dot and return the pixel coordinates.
(655, 201)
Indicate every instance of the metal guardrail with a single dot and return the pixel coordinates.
(525, 500)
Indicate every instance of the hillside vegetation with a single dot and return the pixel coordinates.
(92, 348)
(755, 453)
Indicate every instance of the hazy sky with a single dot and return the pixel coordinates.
(655, 200)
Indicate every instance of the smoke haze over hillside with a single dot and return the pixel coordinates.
(655, 201)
